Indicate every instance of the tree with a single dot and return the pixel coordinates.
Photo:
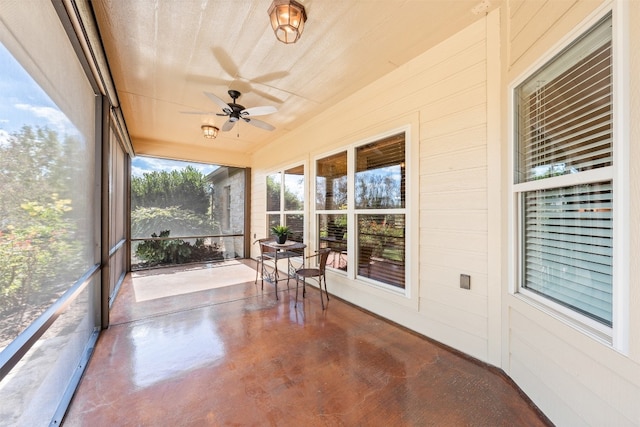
(177, 201)
(186, 188)
(291, 200)
(41, 212)
(31, 170)
(30, 253)
(378, 189)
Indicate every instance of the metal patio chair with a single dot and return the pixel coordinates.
(265, 253)
(318, 273)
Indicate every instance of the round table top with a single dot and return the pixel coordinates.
(289, 244)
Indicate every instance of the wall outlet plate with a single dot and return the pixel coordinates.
(465, 281)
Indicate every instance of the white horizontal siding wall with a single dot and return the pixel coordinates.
(453, 194)
(258, 208)
(442, 95)
(574, 379)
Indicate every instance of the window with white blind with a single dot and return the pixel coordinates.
(379, 206)
(361, 211)
(564, 178)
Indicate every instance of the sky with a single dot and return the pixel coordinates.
(23, 102)
(141, 165)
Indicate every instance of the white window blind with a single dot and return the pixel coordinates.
(568, 247)
(564, 127)
(565, 115)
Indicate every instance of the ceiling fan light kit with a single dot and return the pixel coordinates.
(209, 132)
(287, 20)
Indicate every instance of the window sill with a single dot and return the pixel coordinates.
(584, 325)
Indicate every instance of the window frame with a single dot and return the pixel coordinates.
(282, 212)
(227, 208)
(411, 153)
(618, 173)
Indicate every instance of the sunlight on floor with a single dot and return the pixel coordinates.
(154, 284)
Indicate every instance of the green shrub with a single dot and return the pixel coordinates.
(174, 251)
(181, 222)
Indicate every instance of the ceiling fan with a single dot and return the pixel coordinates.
(236, 112)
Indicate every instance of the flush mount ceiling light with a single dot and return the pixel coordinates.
(287, 20)
(209, 131)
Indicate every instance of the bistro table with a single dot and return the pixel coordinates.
(287, 250)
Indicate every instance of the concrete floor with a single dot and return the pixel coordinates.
(196, 353)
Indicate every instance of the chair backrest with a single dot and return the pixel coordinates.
(265, 248)
(324, 255)
(264, 239)
(364, 255)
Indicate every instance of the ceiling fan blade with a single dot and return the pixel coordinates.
(217, 100)
(228, 125)
(265, 95)
(259, 111)
(225, 61)
(258, 123)
(277, 75)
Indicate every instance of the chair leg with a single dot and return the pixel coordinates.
(257, 266)
(288, 271)
(297, 281)
(320, 286)
(325, 287)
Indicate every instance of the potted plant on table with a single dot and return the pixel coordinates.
(281, 232)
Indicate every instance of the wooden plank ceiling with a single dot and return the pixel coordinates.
(165, 54)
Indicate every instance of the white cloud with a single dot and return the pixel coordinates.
(4, 138)
(141, 165)
(53, 116)
(137, 170)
